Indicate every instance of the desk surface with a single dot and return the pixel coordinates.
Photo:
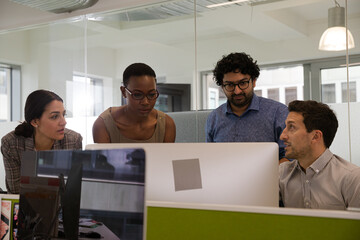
(105, 232)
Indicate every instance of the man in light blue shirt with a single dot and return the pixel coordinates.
(245, 117)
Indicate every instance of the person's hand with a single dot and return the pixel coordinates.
(283, 160)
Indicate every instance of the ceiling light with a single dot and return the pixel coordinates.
(226, 3)
(334, 38)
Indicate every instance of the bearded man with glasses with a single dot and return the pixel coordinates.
(137, 121)
(245, 117)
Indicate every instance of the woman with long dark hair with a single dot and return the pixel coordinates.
(43, 129)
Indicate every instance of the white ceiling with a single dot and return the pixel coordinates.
(275, 22)
(267, 21)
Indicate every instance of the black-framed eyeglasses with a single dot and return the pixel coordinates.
(138, 95)
(242, 85)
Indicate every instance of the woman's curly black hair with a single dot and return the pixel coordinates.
(235, 62)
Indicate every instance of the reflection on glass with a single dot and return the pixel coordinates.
(273, 93)
(4, 97)
(258, 93)
(328, 93)
(84, 91)
(163, 36)
(334, 85)
(352, 92)
(282, 84)
(290, 94)
(119, 166)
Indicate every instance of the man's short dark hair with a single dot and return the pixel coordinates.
(137, 69)
(235, 62)
(317, 116)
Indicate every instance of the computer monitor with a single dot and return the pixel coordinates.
(212, 173)
(112, 188)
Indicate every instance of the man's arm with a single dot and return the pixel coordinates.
(352, 189)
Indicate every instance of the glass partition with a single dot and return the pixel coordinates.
(83, 58)
(160, 35)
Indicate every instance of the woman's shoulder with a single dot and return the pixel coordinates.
(71, 134)
(160, 114)
(15, 142)
(71, 140)
(11, 137)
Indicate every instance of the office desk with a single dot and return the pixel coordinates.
(105, 232)
(167, 220)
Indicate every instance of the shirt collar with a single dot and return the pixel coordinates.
(319, 163)
(254, 105)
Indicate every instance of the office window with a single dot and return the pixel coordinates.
(258, 93)
(9, 93)
(352, 91)
(273, 93)
(4, 94)
(290, 94)
(333, 80)
(281, 83)
(328, 94)
(84, 96)
(213, 98)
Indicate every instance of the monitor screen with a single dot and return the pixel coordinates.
(112, 188)
(213, 173)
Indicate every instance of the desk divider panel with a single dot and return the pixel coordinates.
(189, 223)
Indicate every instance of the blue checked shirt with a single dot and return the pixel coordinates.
(263, 121)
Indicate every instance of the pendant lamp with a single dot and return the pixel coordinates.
(334, 38)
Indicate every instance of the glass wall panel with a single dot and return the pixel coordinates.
(353, 75)
(282, 34)
(82, 59)
(5, 84)
(160, 35)
(348, 92)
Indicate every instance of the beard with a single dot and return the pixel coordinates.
(242, 102)
(292, 152)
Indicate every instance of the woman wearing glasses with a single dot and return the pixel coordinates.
(137, 121)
